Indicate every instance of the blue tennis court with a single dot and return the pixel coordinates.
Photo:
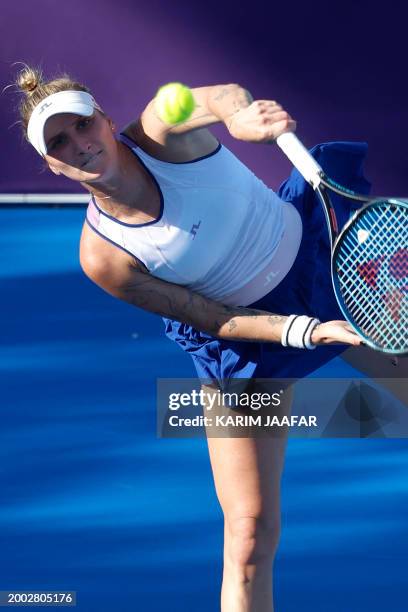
(93, 502)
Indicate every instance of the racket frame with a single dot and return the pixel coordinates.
(335, 281)
(315, 176)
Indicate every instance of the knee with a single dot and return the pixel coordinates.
(251, 540)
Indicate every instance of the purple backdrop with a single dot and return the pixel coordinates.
(338, 67)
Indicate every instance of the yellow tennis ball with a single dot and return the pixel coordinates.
(174, 103)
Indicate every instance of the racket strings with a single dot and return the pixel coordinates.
(372, 274)
(383, 322)
(388, 293)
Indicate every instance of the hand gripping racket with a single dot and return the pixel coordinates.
(369, 263)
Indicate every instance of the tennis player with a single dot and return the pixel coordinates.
(177, 225)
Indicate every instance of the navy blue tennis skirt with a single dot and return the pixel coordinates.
(306, 289)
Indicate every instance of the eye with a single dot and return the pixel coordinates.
(83, 123)
(57, 142)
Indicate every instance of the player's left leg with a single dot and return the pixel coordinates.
(247, 473)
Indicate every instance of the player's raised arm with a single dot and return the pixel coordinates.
(213, 104)
(246, 119)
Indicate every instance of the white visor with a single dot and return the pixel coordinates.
(75, 102)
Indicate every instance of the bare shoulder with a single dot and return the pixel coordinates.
(101, 260)
(148, 132)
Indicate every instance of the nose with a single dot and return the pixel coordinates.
(82, 144)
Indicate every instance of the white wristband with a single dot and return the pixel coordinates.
(297, 331)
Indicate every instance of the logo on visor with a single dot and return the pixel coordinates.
(44, 106)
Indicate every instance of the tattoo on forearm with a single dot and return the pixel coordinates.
(232, 325)
(274, 319)
(196, 310)
(241, 98)
(225, 91)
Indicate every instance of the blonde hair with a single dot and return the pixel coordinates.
(30, 82)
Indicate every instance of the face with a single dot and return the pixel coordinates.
(83, 149)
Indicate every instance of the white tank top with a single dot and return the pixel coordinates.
(220, 231)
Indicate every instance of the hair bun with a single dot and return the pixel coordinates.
(29, 79)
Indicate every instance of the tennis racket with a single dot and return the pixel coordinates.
(369, 262)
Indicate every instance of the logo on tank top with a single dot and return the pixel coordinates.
(270, 277)
(195, 229)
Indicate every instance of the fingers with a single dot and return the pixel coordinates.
(336, 332)
(265, 104)
(270, 131)
(353, 339)
(275, 116)
(342, 332)
(353, 336)
(269, 108)
(272, 119)
(261, 121)
(284, 125)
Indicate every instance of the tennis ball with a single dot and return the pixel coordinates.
(174, 103)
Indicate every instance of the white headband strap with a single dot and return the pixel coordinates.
(76, 102)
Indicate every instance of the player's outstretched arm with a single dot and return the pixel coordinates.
(124, 281)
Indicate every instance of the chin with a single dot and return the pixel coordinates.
(94, 173)
(95, 176)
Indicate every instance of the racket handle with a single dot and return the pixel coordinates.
(300, 158)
